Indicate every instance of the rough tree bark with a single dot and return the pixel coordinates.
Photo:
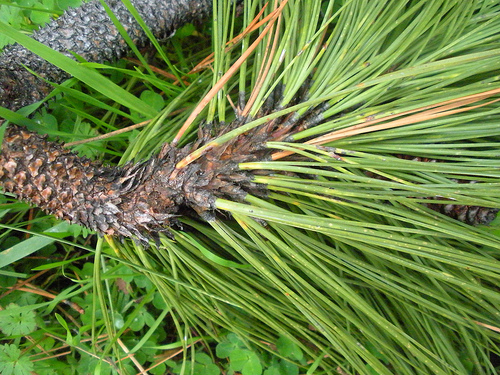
(138, 200)
(133, 200)
(89, 32)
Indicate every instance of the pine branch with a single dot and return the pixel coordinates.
(140, 199)
(89, 32)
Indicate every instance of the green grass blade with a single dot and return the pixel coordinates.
(89, 76)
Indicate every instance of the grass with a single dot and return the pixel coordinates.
(342, 261)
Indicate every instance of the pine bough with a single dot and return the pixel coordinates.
(135, 200)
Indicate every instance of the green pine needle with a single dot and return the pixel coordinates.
(342, 257)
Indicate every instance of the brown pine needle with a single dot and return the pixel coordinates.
(254, 25)
(159, 71)
(108, 135)
(493, 328)
(169, 354)
(23, 283)
(35, 290)
(223, 81)
(434, 111)
(120, 131)
(264, 69)
(141, 369)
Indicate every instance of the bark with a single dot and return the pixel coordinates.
(139, 200)
(90, 33)
(473, 215)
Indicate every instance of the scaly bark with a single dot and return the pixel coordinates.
(138, 200)
(473, 215)
(89, 32)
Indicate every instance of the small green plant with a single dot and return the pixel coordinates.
(44, 332)
(17, 322)
(13, 362)
(234, 356)
(241, 358)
